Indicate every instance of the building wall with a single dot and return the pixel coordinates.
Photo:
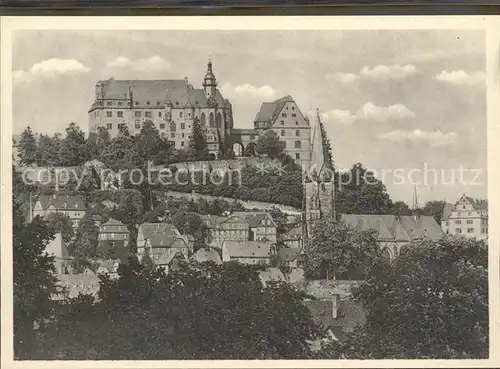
(250, 261)
(73, 214)
(174, 123)
(466, 221)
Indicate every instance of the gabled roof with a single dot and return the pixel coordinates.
(271, 275)
(247, 249)
(63, 202)
(164, 240)
(204, 255)
(215, 221)
(150, 229)
(111, 265)
(113, 226)
(402, 228)
(166, 257)
(57, 247)
(253, 218)
(269, 110)
(288, 254)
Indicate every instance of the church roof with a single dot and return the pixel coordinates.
(269, 110)
(158, 93)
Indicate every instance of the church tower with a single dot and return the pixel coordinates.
(209, 82)
(319, 188)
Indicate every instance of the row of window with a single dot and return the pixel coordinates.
(297, 132)
(459, 230)
(283, 115)
(282, 122)
(469, 221)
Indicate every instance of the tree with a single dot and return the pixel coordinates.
(150, 145)
(431, 304)
(435, 209)
(27, 147)
(60, 223)
(33, 278)
(359, 192)
(72, 149)
(337, 250)
(200, 311)
(47, 151)
(400, 208)
(121, 154)
(198, 148)
(91, 149)
(250, 150)
(86, 244)
(269, 144)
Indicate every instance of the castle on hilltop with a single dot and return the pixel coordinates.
(173, 105)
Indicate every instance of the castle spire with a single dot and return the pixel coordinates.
(210, 82)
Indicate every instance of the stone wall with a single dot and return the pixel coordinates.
(223, 165)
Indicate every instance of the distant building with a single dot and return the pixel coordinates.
(271, 275)
(172, 105)
(247, 252)
(220, 229)
(147, 230)
(72, 206)
(284, 117)
(165, 250)
(466, 219)
(261, 225)
(113, 235)
(290, 257)
(109, 267)
(71, 285)
(293, 238)
(394, 232)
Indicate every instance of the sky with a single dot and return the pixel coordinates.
(401, 102)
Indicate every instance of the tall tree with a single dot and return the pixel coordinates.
(60, 223)
(27, 147)
(71, 152)
(47, 151)
(33, 278)
(269, 144)
(425, 307)
(400, 208)
(435, 209)
(198, 148)
(337, 250)
(121, 154)
(86, 244)
(150, 145)
(250, 150)
(360, 192)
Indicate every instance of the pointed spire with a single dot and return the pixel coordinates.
(317, 148)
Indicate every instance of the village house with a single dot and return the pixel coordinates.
(261, 226)
(71, 206)
(271, 275)
(113, 235)
(247, 252)
(165, 250)
(394, 232)
(109, 267)
(466, 218)
(219, 229)
(293, 238)
(70, 286)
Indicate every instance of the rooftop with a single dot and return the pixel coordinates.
(63, 202)
(247, 249)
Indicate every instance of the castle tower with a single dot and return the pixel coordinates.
(319, 189)
(209, 82)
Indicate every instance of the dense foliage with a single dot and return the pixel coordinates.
(196, 312)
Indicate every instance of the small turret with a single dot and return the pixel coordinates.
(210, 82)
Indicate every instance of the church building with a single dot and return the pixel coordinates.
(172, 105)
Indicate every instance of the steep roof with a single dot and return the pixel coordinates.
(247, 249)
(447, 210)
(395, 228)
(166, 257)
(64, 202)
(74, 284)
(253, 218)
(57, 247)
(158, 93)
(288, 254)
(269, 110)
(149, 229)
(351, 313)
(161, 240)
(113, 226)
(215, 221)
(204, 255)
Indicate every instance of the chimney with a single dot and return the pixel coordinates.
(335, 305)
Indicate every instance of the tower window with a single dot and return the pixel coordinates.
(137, 103)
(172, 135)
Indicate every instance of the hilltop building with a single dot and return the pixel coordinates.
(466, 218)
(172, 105)
(284, 117)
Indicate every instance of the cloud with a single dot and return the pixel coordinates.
(151, 63)
(384, 113)
(433, 139)
(384, 72)
(336, 116)
(50, 68)
(265, 92)
(460, 77)
(347, 79)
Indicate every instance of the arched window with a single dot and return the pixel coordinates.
(211, 120)
(298, 144)
(173, 127)
(219, 120)
(203, 120)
